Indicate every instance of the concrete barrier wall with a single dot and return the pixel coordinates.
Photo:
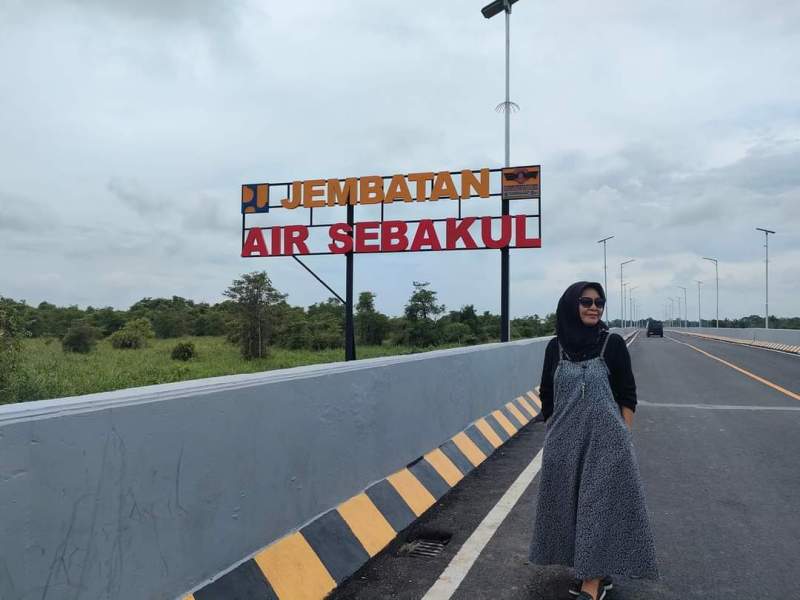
(779, 336)
(146, 493)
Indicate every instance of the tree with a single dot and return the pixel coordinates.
(171, 317)
(107, 320)
(458, 333)
(254, 298)
(11, 333)
(326, 324)
(80, 337)
(371, 326)
(134, 335)
(420, 311)
(292, 328)
(531, 327)
(489, 325)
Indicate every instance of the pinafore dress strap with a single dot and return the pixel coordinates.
(605, 343)
(562, 355)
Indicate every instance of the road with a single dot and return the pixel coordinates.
(718, 451)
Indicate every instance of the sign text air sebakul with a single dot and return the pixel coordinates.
(516, 230)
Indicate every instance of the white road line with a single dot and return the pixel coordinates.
(633, 337)
(717, 406)
(462, 562)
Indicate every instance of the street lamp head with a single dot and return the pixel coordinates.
(764, 230)
(497, 7)
(605, 239)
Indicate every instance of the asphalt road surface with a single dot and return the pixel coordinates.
(719, 453)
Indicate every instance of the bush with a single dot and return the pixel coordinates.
(80, 338)
(11, 332)
(126, 340)
(133, 336)
(184, 351)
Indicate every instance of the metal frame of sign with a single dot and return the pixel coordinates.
(504, 195)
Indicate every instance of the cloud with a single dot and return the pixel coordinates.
(128, 128)
(204, 12)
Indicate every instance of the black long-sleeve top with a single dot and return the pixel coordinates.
(620, 374)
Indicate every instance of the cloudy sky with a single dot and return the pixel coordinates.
(127, 127)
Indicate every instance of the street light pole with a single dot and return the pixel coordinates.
(622, 292)
(489, 11)
(631, 316)
(699, 317)
(766, 267)
(685, 308)
(716, 269)
(605, 270)
(671, 310)
(624, 304)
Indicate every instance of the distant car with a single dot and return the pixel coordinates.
(655, 328)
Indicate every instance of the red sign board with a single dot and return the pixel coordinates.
(391, 235)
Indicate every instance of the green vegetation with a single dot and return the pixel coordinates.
(45, 371)
(80, 337)
(11, 334)
(184, 351)
(254, 329)
(254, 314)
(134, 335)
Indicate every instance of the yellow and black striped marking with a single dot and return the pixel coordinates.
(309, 563)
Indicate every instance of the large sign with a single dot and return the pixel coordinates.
(521, 230)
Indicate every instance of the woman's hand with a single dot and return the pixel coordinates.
(627, 414)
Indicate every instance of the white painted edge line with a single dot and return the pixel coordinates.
(462, 562)
(632, 338)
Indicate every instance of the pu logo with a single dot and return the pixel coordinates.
(521, 183)
(255, 198)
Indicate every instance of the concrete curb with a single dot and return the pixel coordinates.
(755, 343)
(309, 563)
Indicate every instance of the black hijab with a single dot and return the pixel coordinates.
(577, 339)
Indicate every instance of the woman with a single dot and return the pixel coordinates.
(591, 512)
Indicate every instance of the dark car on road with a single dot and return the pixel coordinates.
(655, 328)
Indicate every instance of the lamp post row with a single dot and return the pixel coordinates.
(622, 285)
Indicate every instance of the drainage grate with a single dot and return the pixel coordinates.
(426, 546)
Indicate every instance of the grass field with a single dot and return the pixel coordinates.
(49, 372)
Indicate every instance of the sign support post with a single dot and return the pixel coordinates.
(349, 329)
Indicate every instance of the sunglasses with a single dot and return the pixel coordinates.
(587, 302)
